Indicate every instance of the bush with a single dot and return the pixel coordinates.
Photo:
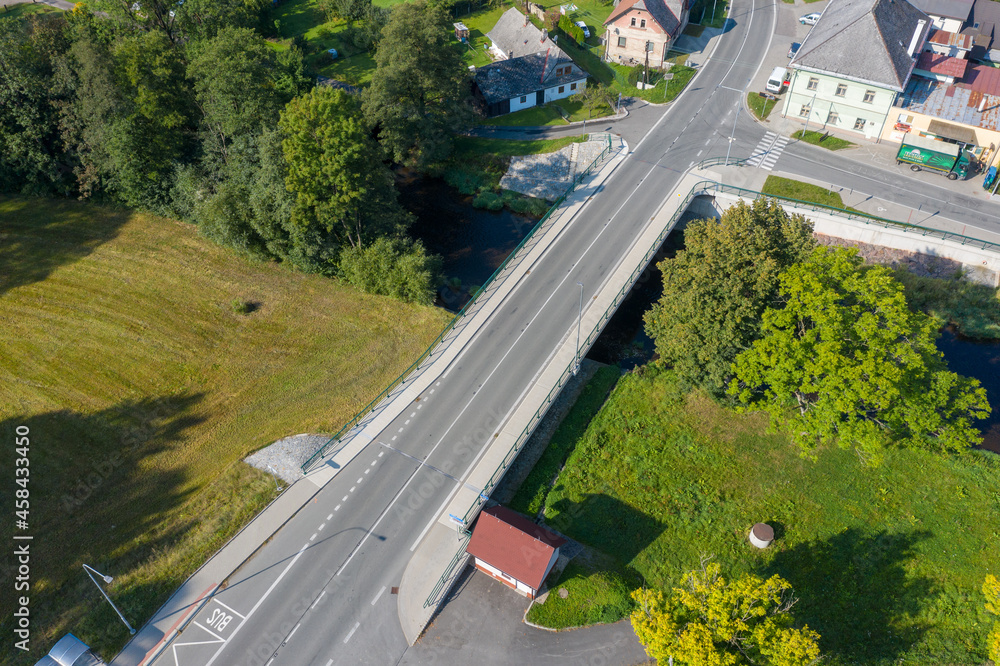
(397, 267)
(572, 31)
(488, 200)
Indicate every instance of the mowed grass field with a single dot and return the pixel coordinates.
(143, 388)
(888, 563)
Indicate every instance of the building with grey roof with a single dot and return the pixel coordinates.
(853, 63)
(514, 36)
(948, 15)
(530, 71)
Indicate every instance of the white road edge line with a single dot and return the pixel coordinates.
(258, 604)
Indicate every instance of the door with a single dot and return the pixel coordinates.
(540, 98)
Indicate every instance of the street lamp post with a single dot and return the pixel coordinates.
(732, 137)
(107, 579)
(579, 322)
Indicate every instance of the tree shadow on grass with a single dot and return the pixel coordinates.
(605, 523)
(854, 589)
(95, 498)
(38, 236)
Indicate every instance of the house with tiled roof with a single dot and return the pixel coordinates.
(530, 69)
(635, 28)
(854, 62)
(513, 550)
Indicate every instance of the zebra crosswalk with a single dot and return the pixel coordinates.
(767, 152)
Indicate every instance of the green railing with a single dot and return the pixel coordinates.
(449, 572)
(367, 409)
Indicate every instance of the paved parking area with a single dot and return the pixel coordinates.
(481, 624)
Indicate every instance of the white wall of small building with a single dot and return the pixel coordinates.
(570, 88)
(947, 24)
(523, 102)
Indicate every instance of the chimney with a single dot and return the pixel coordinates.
(982, 104)
(545, 35)
(917, 34)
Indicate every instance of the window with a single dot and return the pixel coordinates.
(633, 21)
(562, 88)
(621, 42)
(559, 71)
(805, 110)
(572, 86)
(813, 83)
(841, 90)
(859, 124)
(869, 96)
(524, 98)
(906, 119)
(642, 23)
(832, 118)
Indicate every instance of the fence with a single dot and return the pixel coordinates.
(367, 409)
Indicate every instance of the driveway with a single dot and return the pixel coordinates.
(481, 624)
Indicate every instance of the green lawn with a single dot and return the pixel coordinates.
(26, 9)
(761, 106)
(794, 189)
(709, 13)
(530, 497)
(887, 562)
(143, 389)
(822, 139)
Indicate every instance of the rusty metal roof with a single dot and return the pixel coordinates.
(963, 42)
(942, 64)
(952, 103)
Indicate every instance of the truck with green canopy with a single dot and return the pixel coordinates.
(922, 152)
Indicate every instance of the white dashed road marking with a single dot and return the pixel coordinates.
(348, 637)
(377, 596)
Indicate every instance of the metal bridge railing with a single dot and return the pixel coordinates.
(367, 409)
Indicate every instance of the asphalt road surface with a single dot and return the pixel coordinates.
(320, 592)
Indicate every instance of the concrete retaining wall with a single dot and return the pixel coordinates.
(983, 265)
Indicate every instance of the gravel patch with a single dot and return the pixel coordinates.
(285, 457)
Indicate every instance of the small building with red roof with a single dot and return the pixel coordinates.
(513, 550)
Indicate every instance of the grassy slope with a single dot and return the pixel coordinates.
(143, 389)
(887, 562)
(26, 9)
(973, 308)
(794, 189)
(530, 497)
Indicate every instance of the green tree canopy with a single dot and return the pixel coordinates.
(709, 621)
(716, 289)
(240, 88)
(335, 170)
(396, 267)
(846, 360)
(420, 89)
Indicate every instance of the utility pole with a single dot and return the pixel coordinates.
(107, 579)
(579, 323)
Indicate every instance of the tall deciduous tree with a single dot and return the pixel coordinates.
(420, 88)
(844, 359)
(341, 186)
(709, 621)
(716, 289)
(240, 88)
(33, 157)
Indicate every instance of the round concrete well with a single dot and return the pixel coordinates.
(761, 535)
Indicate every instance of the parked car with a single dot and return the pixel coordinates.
(793, 49)
(583, 26)
(809, 19)
(776, 81)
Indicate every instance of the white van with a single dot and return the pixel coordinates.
(776, 82)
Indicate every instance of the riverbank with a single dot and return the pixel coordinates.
(662, 477)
